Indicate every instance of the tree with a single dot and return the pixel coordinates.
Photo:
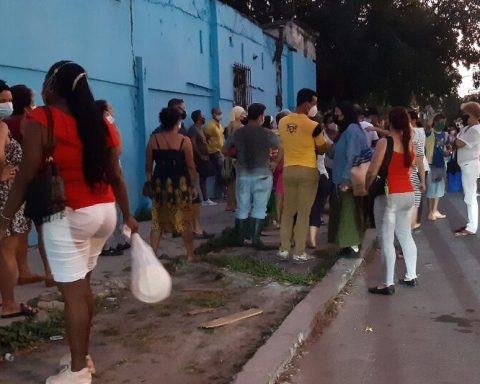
(380, 51)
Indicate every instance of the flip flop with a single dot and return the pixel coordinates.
(25, 311)
(440, 216)
(464, 233)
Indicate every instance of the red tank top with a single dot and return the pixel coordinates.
(398, 175)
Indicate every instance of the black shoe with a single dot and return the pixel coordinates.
(241, 229)
(409, 283)
(388, 291)
(111, 252)
(256, 227)
(123, 247)
(349, 253)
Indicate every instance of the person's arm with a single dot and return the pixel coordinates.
(188, 151)
(115, 179)
(419, 146)
(149, 160)
(34, 141)
(376, 162)
(380, 131)
(320, 143)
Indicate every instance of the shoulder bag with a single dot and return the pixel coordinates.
(378, 186)
(46, 194)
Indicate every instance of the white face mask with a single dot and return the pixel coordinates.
(333, 127)
(6, 110)
(313, 111)
(218, 117)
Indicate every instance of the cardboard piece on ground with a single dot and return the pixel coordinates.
(230, 319)
(202, 289)
(200, 311)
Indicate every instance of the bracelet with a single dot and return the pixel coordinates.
(4, 217)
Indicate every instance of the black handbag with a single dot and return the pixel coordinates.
(46, 194)
(205, 168)
(378, 186)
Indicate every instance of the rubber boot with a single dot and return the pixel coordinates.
(257, 226)
(241, 228)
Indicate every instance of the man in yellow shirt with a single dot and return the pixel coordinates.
(301, 140)
(215, 140)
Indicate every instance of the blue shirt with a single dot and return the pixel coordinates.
(351, 144)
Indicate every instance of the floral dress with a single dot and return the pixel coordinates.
(13, 156)
(172, 191)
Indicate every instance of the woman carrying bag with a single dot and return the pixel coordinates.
(394, 210)
(71, 138)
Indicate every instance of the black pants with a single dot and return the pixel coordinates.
(323, 192)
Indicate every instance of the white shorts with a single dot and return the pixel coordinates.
(74, 242)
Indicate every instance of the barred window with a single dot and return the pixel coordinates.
(242, 85)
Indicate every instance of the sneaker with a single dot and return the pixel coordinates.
(282, 255)
(301, 258)
(209, 203)
(66, 360)
(66, 376)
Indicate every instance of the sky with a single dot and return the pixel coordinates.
(467, 84)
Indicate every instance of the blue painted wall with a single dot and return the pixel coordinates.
(177, 41)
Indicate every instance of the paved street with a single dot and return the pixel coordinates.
(428, 334)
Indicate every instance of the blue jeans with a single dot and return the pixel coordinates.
(252, 196)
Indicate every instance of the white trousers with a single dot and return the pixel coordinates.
(470, 173)
(393, 216)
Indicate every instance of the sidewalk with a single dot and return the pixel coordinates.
(214, 219)
(429, 334)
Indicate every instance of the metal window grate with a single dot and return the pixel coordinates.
(242, 85)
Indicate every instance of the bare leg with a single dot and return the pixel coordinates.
(22, 259)
(431, 209)
(8, 274)
(197, 227)
(312, 237)
(43, 254)
(415, 223)
(155, 237)
(77, 297)
(187, 237)
(91, 306)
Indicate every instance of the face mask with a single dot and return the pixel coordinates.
(439, 126)
(6, 110)
(244, 121)
(202, 121)
(465, 120)
(337, 119)
(313, 111)
(184, 115)
(218, 117)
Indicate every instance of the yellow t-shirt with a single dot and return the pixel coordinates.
(215, 139)
(299, 145)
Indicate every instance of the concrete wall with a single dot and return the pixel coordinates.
(177, 41)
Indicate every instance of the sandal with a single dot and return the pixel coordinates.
(25, 311)
(439, 215)
(463, 232)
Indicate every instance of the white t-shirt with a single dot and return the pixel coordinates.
(327, 161)
(471, 151)
(371, 136)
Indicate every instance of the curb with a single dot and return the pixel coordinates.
(270, 360)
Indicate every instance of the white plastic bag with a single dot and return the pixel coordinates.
(151, 282)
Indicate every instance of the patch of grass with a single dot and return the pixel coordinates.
(28, 333)
(227, 239)
(262, 269)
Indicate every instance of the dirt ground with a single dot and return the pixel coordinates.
(138, 343)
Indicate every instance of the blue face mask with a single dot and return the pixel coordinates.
(6, 110)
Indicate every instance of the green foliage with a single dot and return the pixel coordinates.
(383, 52)
(28, 333)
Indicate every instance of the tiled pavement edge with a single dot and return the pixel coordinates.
(271, 359)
